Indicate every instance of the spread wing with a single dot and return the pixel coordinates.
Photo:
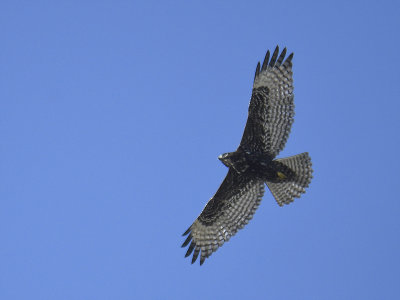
(231, 208)
(271, 108)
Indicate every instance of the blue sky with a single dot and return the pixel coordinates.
(113, 114)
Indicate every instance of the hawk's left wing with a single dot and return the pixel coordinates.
(231, 208)
(271, 108)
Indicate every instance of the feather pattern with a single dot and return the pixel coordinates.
(231, 208)
(271, 108)
(284, 192)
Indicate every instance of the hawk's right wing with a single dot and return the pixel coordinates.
(231, 208)
(271, 108)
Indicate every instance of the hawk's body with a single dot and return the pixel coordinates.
(253, 164)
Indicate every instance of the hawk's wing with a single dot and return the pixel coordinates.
(229, 210)
(271, 108)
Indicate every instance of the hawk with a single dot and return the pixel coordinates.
(253, 164)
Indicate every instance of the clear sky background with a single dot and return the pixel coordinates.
(113, 114)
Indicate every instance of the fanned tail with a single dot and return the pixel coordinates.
(285, 191)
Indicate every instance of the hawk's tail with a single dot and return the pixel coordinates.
(285, 191)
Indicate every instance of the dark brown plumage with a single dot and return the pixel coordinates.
(253, 164)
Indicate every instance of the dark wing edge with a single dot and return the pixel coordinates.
(271, 108)
(231, 208)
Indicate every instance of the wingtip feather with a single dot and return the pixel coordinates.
(257, 71)
(187, 231)
(289, 58)
(186, 242)
(195, 254)
(274, 56)
(266, 60)
(190, 250)
(281, 57)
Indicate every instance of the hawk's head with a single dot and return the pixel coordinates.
(235, 160)
(226, 159)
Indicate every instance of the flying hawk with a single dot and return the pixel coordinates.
(253, 164)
